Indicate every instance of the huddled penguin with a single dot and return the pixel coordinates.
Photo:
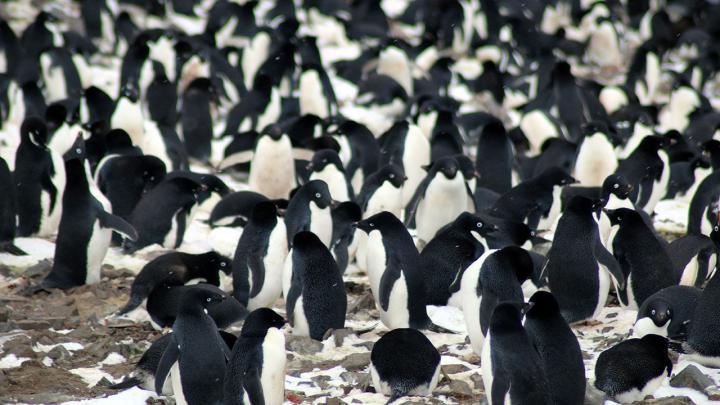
(558, 348)
(8, 222)
(702, 342)
(511, 367)
(316, 301)
(260, 257)
(694, 259)
(196, 354)
(256, 370)
(309, 209)
(165, 299)
(393, 266)
(668, 312)
(404, 362)
(196, 118)
(176, 268)
(633, 369)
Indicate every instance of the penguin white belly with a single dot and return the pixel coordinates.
(153, 144)
(177, 384)
(632, 303)
(129, 116)
(96, 250)
(690, 272)
(444, 201)
(380, 386)
(272, 376)
(603, 289)
(272, 170)
(386, 198)
(595, 161)
(635, 394)
(274, 265)
(321, 223)
(361, 250)
(300, 323)
(50, 217)
(415, 155)
(54, 82)
(659, 186)
(287, 274)
(554, 213)
(397, 314)
(171, 237)
(700, 174)
(336, 181)
(470, 302)
(357, 180)
(312, 99)
(707, 361)
(538, 128)
(645, 326)
(486, 367)
(271, 115)
(705, 225)
(376, 261)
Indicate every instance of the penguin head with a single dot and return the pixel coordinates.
(466, 166)
(213, 184)
(322, 159)
(517, 260)
(621, 215)
(76, 151)
(154, 171)
(394, 174)
(658, 310)
(33, 129)
(203, 85)
(198, 295)
(472, 223)
(377, 222)
(55, 116)
(617, 184)
(347, 212)
(318, 192)
(259, 321)
(274, 132)
(715, 234)
(447, 166)
(117, 140)
(215, 259)
(655, 143)
(659, 343)
(129, 92)
(556, 176)
(306, 241)
(264, 212)
(545, 306)
(507, 318)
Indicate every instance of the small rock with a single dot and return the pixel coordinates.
(59, 353)
(593, 396)
(4, 314)
(44, 398)
(356, 361)
(460, 389)
(477, 382)
(355, 379)
(713, 393)
(39, 268)
(104, 382)
(45, 340)
(667, 401)
(612, 315)
(32, 324)
(302, 345)
(334, 401)
(453, 368)
(691, 377)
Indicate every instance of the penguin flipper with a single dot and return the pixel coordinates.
(607, 260)
(257, 267)
(500, 385)
(117, 224)
(252, 384)
(415, 201)
(169, 357)
(457, 282)
(9, 247)
(293, 295)
(646, 187)
(237, 158)
(389, 278)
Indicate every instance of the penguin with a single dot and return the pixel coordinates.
(196, 355)
(258, 109)
(404, 362)
(175, 268)
(344, 243)
(359, 152)
(702, 341)
(272, 166)
(255, 373)
(326, 166)
(316, 92)
(259, 258)
(445, 258)
(405, 144)
(633, 369)
(643, 259)
(558, 348)
(196, 118)
(668, 312)
(162, 214)
(579, 267)
(393, 266)
(596, 159)
(535, 202)
(494, 158)
(40, 178)
(703, 210)
(8, 211)
(316, 301)
(694, 259)
(647, 168)
(309, 209)
(164, 305)
(235, 209)
(438, 200)
(85, 229)
(511, 367)
(382, 191)
(128, 115)
(161, 96)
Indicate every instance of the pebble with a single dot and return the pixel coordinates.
(356, 361)
(691, 377)
(302, 345)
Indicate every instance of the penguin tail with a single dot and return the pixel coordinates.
(127, 382)
(394, 397)
(439, 329)
(9, 247)
(680, 347)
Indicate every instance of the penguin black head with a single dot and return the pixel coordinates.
(76, 151)
(117, 139)
(197, 296)
(545, 306)
(656, 341)
(319, 193)
(659, 311)
(622, 215)
(467, 167)
(264, 212)
(223, 263)
(274, 132)
(655, 143)
(617, 184)
(473, 223)
(55, 116)
(447, 166)
(518, 260)
(556, 176)
(129, 92)
(394, 174)
(347, 211)
(507, 318)
(377, 222)
(581, 205)
(715, 234)
(34, 130)
(259, 321)
(306, 240)
(323, 158)
(204, 85)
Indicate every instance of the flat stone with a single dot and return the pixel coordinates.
(713, 393)
(59, 353)
(302, 345)
(334, 401)
(477, 382)
(340, 334)
(460, 389)
(691, 377)
(453, 368)
(39, 268)
(356, 361)
(593, 396)
(31, 324)
(667, 401)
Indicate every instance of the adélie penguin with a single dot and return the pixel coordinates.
(256, 371)
(668, 312)
(309, 209)
(196, 356)
(703, 343)
(8, 211)
(165, 300)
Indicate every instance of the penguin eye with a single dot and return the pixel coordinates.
(208, 300)
(371, 224)
(479, 224)
(716, 228)
(391, 175)
(317, 195)
(652, 312)
(223, 264)
(324, 161)
(616, 186)
(78, 150)
(532, 233)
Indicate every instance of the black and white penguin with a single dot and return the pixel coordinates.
(86, 227)
(668, 312)
(316, 301)
(393, 266)
(235, 209)
(40, 178)
(176, 268)
(494, 158)
(260, 257)
(633, 369)
(596, 159)
(445, 258)
(166, 299)
(579, 267)
(344, 244)
(404, 362)
(694, 259)
(558, 348)
(438, 200)
(256, 371)
(196, 121)
(643, 258)
(704, 206)
(405, 144)
(196, 354)
(128, 115)
(309, 209)
(8, 204)
(359, 151)
(382, 191)
(702, 342)
(162, 214)
(326, 166)
(511, 367)
(647, 168)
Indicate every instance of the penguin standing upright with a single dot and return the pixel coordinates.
(7, 211)
(382, 191)
(511, 367)
(558, 348)
(259, 258)
(196, 355)
(596, 159)
(196, 118)
(394, 273)
(494, 158)
(405, 144)
(85, 228)
(316, 301)
(256, 371)
(326, 166)
(704, 206)
(647, 169)
(310, 210)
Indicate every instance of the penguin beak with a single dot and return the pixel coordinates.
(334, 204)
(309, 166)
(538, 240)
(630, 188)
(526, 307)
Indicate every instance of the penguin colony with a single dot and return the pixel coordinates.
(505, 158)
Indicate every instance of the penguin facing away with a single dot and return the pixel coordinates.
(8, 211)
